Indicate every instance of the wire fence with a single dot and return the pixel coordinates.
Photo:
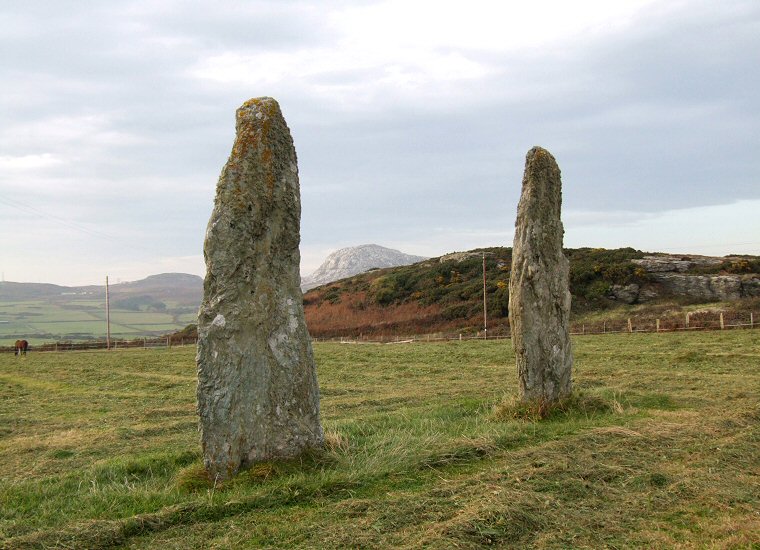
(693, 321)
(145, 343)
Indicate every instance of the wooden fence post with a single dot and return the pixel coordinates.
(751, 320)
(604, 326)
(630, 326)
(722, 326)
(687, 320)
(658, 325)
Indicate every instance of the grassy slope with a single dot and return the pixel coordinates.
(434, 296)
(100, 449)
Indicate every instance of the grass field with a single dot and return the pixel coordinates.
(80, 320)
(661, 450)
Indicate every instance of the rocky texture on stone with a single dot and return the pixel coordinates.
(459, 256)
(667, 276)
(628, 294)
(670, 263)
(751, 286)
(670, 275)
(258, 397)
(709, 287)
(539, 295)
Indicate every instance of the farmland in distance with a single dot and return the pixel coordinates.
(45, 313)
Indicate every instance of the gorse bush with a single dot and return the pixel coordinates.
(593, 271)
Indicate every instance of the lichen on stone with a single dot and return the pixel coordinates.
(258, 397)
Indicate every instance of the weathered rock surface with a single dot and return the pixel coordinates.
(751, 286)
(704, 287)
(258, 397)
(669, 263)
(539, 295)
(667, 276)
(458, 256)
(628, 294)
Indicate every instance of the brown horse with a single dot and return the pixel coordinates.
(20, 347)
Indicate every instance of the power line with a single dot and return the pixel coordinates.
(29, 209)
(130, 244)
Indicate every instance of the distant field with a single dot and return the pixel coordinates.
(77, 320)
(661, 450)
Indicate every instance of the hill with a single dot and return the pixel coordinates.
(445, 294)
(152, 306)
(347, 262)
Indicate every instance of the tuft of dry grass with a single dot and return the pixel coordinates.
(579, 402)
(336, 442)
(193, 479)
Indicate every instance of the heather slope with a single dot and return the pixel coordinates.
(446, 294)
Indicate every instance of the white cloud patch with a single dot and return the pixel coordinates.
(711, 230)
(26, 163)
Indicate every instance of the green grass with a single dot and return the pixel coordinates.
(40, 322)
(660, 449)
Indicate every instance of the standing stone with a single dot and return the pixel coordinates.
(258, 397)
(539, 294)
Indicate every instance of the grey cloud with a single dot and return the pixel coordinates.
(663, 116)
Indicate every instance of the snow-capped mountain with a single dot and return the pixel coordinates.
(351, 261)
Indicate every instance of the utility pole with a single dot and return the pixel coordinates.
(108, 317)
(485, 306)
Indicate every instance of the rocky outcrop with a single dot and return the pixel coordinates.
(709, 287)
(539, 295)
(667, 264)
(459, 256)
(628, 294)
(667, 276)
(257, 388)
(751, 286)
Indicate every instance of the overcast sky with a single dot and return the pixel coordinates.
(411, 121)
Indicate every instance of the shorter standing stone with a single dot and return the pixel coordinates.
(257, 386)
(539, 293)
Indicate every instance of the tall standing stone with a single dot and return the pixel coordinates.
(258, 397)
(539, 293)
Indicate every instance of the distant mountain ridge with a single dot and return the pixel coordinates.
(354, 260)
(183, 286)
